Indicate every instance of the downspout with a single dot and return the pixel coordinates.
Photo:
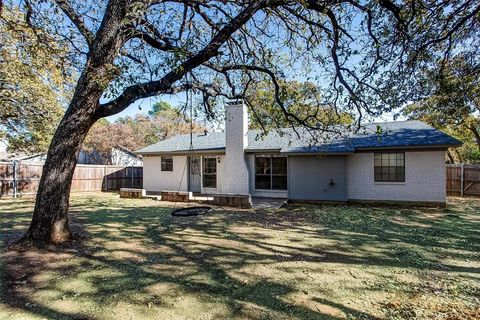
(132, 176)
(288, 178)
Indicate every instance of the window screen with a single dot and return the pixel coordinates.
(209, 172)
(390, 167)
(271, 173)
(166, 164)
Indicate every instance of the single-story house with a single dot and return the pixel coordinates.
(404, 161)
(119, 156)
(22, 157)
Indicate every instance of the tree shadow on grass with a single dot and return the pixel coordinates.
(144, 260)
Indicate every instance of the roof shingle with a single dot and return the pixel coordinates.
(393, 134)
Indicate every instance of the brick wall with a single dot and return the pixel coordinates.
(156, 180)
(235, 179)
(424, 178)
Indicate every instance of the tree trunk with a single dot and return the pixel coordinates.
(451, 159)
(476, 134)
(50, 216)
(457, 155)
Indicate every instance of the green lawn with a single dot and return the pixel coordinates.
(134, 261)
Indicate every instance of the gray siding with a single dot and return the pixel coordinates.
(310, 176)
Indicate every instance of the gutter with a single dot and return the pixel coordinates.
(262, 150)
(317, 153)
(221, 150)
(438, 147)
(182, 152)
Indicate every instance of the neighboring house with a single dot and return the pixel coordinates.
(90, 157)
(403, 163)
(33, 158)
(120, 156)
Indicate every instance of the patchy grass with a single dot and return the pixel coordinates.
(135, 261)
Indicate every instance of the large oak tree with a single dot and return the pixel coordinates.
(364, 55)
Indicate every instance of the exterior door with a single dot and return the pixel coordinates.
(195, 176)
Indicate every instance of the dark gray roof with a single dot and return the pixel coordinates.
(392, 134)
(404, 134)
(181, 143)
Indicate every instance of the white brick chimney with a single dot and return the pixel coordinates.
(236, 140)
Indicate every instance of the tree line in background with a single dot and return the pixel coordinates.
(133, 133)
(301, 98)
(449, 100)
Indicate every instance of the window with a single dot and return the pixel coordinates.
(390, 167)
(195, 166)
(271, 172)
(209, 172)
(166, 164)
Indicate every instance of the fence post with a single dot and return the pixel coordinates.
(132, 177)
(105, 179)
(14, 178)
(461, 179)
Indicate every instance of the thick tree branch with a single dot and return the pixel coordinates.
(76, 20)
(154, 43)
(153, 88)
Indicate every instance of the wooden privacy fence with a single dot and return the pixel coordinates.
(463, 179)
(18, 178)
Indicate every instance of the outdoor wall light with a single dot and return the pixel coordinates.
(331, 182)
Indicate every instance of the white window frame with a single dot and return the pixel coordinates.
(203, 172)
(161, 163)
